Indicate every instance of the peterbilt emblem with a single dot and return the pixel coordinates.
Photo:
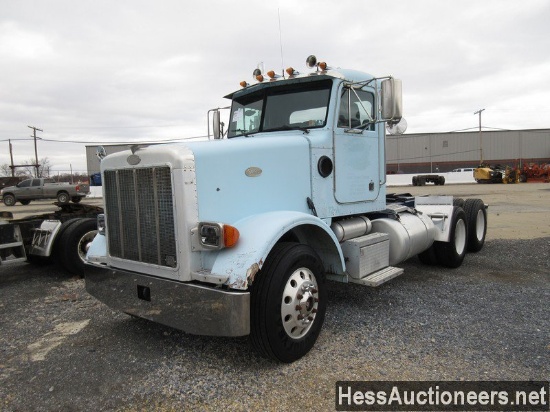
(133, 159)
(253, 172)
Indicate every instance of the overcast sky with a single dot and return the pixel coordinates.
(127, 71)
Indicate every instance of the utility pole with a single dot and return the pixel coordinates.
(36, 165)
(11, 158)
(480, 138)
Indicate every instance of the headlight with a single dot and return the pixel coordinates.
(217, 235)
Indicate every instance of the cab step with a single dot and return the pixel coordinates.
(378, 277)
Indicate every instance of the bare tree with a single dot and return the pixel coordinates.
(44, 167)
(5, 170)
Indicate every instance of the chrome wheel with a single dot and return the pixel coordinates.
(299, 303)
(85, 243)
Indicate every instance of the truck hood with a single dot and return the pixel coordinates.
(242, 176)
(8, 189)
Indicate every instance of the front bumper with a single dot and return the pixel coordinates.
(193, 308)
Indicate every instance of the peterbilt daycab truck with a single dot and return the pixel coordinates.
(238, 236)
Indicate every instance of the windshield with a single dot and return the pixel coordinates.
(286, 107)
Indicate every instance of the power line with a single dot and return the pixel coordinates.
(88, 142)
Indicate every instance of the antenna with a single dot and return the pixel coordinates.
(281, 42)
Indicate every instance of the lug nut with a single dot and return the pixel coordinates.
(300, 317)
(298, 307)
(314, 290)
(310, 318)
(299, 296)
(313, 310)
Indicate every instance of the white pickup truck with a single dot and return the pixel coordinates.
(34, 189)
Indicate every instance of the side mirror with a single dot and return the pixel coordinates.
(392, 101)
(216, 123)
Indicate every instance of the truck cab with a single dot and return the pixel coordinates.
(239, 236)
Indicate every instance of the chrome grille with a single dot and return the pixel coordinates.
(140, 217)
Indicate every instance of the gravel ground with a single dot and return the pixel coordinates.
(60, 349)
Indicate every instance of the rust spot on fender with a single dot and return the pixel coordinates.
(251, 272)
(238, 284)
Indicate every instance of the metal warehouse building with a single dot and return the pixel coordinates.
(431, 152)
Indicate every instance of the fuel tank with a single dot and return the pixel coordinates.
(410, 234)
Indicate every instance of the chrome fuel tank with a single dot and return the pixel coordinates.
(409, 235)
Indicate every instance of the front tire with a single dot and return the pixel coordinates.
(451, 254)
(9, 200)
(288, 303)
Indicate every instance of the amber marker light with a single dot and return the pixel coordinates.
(243, 84)
(322, 66)
(257, 74)
(290, 71)
(271, 74)
(230, 235)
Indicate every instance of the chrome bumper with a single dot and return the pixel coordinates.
(193, 308)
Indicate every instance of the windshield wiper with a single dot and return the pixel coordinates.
(243, 133)
(287, 127)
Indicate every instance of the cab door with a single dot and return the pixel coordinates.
(24, 189)
(356, 147)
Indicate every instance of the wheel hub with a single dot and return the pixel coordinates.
(299, 303)
(480, 224)
(85, 243)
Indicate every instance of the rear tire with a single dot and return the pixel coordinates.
(63, 197)
(74, 243)
(288, 303)
(429, 256)
(451, 254)
(458, 201)
(476, 219)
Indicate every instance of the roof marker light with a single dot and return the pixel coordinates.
(244, 84)
(272, 75)
(291, 72)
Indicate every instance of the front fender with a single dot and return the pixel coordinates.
(259, 233)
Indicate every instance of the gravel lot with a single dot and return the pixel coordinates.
(60, 349)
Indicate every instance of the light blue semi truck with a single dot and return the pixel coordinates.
(243, 234)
